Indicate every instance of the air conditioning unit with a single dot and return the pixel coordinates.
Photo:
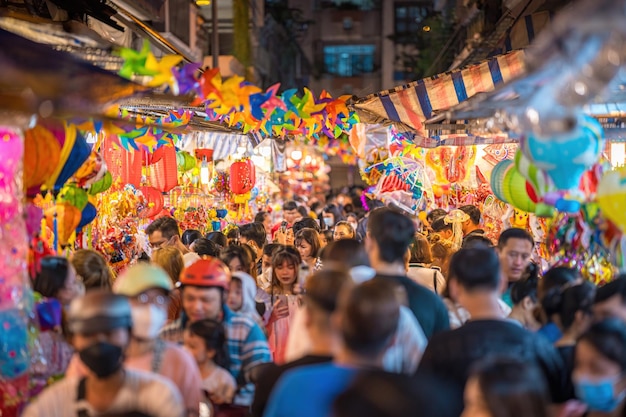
(179, 26)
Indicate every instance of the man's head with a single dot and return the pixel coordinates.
(306, 223)
(515, 248)
(474, 272)
(265, 219)
(436, 214)
(474, 218)
(389, 235)
(268, 252)
(100, 323)
(290, 212)
(253, 233)
(441, 228)
(204, 284)
(320, 298)
(163, 232)
(205, 247)
(147, 287)
(367, 317)
(610, 301)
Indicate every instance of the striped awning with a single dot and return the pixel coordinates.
(409, 106)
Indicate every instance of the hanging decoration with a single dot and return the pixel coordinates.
(242, 180)
(42, 153)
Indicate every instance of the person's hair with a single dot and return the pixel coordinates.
(254, 232)
(567, 301)
(189, 236)
(523, 288)
(476, 269)
(311, 237)
(328, 234)
(270, 248)
(252, 255)
(346, 252)
(321, 295)
(552, 281)
(304, 212)
(376, 393)
(420, 251)
(168, 226)
(514, 233)
(353, 215)
(289, 255)
(237, 251)
(374, 204)
(206, 247)
(347, 225)
(335, 211)
(233, 234)
(473, 212)
(51, 276)
(214, 336)
(473, 241)
(436, 214)
(290, 205)
(306, 223)
(393, 233)
(260, 216)
(439, 225)
(369, 317)
(613, 288)
(511, 387)
(93, 269)
(218, 238)
(608, 337)
(171, 260)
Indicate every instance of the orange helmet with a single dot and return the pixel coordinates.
(206, 272)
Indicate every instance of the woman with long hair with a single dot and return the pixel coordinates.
(171, 260)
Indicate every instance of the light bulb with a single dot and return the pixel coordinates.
(204, 173)
(296, 155)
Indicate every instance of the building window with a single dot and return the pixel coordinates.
(409, 17)
(349, 60)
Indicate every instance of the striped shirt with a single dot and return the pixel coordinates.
(247, 348)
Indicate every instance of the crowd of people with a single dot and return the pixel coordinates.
(332, 312)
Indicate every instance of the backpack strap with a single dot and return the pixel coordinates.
(82, 396)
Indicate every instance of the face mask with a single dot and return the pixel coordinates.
(354, 225)
(328, 221)
(148, 320)
(599, 396)
(103, 359)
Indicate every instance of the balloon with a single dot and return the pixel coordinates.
(567, 156)
(74, 153)
(67, 219)
(34, 215)
(11, 151)
(102, 185)
(497, 178)
(254, 193)
(74, 195)
(612, 197)
(14, 357)
(87, 216)
(41, 157)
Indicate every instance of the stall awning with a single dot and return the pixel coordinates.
(409, 106)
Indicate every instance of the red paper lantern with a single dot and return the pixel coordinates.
(201, 154)
(154, 201)
(164, 172)
(123, 164)
(242, 174)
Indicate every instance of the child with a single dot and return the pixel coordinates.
(284, 301)
(206, 340)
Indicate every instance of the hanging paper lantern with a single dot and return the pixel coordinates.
(67, 219)
(41, 157)
(498, 175)
(122, 164)
(74, 153)
(101, 185)
(242, 177)
(190, 162)
(567, 156)
(91, 171)
(164, 173)
(74, 195)
(539, 181)
(611, 197)
(154, 201)
(514, 189)
(87, 216)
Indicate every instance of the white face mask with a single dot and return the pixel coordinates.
(354, 225)
(148, 320)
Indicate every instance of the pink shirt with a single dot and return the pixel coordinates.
(177, 365)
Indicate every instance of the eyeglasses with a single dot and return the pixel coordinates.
(160, 244)
(144, 298)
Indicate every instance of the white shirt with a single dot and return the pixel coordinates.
(142, 391)
(427, 277)
(220, 381)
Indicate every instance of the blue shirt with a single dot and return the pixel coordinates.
(551, 332)
(309, 391)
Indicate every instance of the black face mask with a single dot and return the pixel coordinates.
(103, 359)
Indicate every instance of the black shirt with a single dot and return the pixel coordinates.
(451, 355)
(270, 376)
(567, 355)
(428, 308)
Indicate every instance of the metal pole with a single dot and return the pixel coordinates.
(216, 35)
